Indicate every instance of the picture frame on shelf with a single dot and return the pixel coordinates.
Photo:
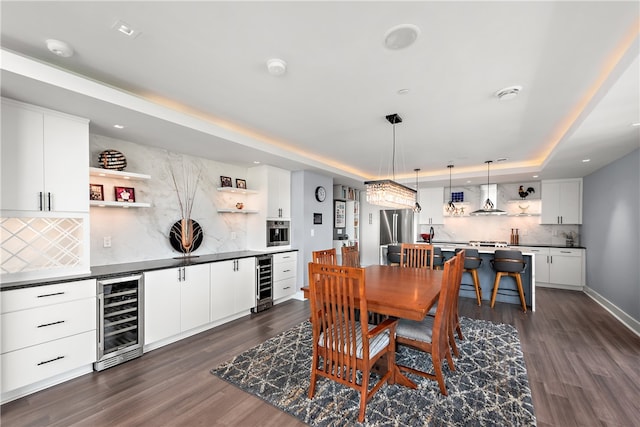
(225, 181)
(125, 194)
(96, 192)
(241, 183)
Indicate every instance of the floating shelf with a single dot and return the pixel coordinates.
(109, 173)
(236, 190)
(240, 211)
(125, 205)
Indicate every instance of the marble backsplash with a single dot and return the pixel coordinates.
(140, 234)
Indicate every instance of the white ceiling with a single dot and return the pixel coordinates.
(194, 80)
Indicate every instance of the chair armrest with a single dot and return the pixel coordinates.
(387, 324)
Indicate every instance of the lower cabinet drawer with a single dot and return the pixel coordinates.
(284, 270)
(33, 364)
(25, 328)
(283, 288)
(38, 296)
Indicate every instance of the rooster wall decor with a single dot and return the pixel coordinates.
(524, 193)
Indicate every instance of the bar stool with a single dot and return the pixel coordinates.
(472, 262)
(508, 263)
(438, 258)
(393, 254)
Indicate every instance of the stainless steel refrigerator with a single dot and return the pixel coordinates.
(397, 226)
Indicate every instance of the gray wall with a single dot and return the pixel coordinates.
(307, 236)
(611, 233)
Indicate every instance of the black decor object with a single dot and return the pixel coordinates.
(175, 237)
(112, 159)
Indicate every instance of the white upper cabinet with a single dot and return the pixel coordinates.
(431, 201)
(45, 156)
(274, 187)
(562, 202)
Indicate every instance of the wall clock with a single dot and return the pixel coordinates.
(321, 193)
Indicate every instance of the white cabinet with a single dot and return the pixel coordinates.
(559, 267)
(233, 287)
(284, 274)
(45, 155)
(561, 201)
(272, 201)
(431, 202)
(175, 300)
(47, 331)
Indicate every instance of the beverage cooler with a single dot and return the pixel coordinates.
(120, 327)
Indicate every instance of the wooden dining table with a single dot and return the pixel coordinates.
(406, 293)
(401, 292)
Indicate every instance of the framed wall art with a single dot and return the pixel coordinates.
(241, 183)
(96, 192)
(125, 194)
(340, 220)
(225, 181)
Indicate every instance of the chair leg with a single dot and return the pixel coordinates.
(458, 329)
(437, 367)
(496, 283)
(476, 283)
(520, 291)
(452, 342)
(363, 397)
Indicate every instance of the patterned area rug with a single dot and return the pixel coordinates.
(488, 388)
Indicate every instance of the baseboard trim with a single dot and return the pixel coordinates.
(632, 324)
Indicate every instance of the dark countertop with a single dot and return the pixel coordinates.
(529, 245)
(102, 271)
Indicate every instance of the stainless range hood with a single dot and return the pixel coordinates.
(488, 194)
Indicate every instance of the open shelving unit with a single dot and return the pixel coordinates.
(115, 174)
(236, 190)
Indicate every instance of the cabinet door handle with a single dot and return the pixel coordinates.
(41, 201)
(565, 252)
(184, 273)
(51, 360)
(44, 325)
(551, 258)
(50, 295)
(48, 201)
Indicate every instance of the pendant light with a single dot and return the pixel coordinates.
(417, 208)
(488, 208)
(451, 208)
(387, 192)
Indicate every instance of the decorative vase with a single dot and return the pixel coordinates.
(239, 205)
(186, 234)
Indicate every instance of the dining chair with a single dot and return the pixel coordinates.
(454, 318)
(325, 256)
(342, 345)
(508, 263)
(438, 258)
(431, 334)
(350, 256)
(416, 255)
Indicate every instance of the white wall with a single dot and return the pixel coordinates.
(142, 234)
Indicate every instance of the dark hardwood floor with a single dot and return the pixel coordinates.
(583, 367)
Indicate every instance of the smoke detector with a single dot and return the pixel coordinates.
(60, 48)
(508, 93)
(401, 36)
(276, 66)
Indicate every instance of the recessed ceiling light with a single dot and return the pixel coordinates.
(635, 124)
(118, 126)
(276, 66)
(59, 48)
(502, 159)
(403, 91)
(401, 36)
(508, 93)
(256, 162)
(535, 176)
(126, 29)
(586, 160)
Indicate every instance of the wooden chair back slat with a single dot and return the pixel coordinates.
(325, 256)
(350, 256)
(417, 255)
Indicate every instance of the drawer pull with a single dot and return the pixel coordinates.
(50, 324)
(52, 360)
(286, 271)
(50, 295)
(565, 252)
(287, 287)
